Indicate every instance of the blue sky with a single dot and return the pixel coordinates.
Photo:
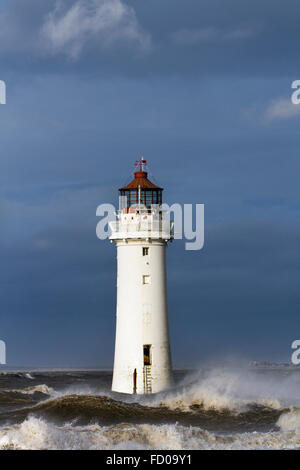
(202, 90)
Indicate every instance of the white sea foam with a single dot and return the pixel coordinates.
(290, 421)
(29, 376)
(37, 388)
(36, 433)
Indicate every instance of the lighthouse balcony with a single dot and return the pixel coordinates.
(141, 229)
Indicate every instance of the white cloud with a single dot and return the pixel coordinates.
(281, 108)
(211, 34)
(108, 22)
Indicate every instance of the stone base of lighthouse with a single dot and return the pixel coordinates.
(142, 362)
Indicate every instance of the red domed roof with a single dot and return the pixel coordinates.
(140, 180)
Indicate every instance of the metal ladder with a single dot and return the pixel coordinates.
(147, 379)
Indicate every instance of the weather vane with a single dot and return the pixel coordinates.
(141, 163)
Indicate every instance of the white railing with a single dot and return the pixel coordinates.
(141, 229)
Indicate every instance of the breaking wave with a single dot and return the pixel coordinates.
(235, 390)
(36, 433)
(212, 409)
(23, 396)
(104, 411)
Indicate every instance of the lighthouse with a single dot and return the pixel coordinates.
(142, 362)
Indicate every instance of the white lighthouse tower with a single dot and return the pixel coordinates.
(142, 362)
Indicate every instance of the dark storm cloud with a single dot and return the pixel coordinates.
(234, 295)
(58, 297)
(200, 88)
(244, 284)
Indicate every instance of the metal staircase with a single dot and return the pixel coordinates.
(147, 379)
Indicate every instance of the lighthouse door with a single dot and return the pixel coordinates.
(147, 355)
(147, 369)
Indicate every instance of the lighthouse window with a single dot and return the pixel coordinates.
(147, 354)
(146, 279)
(145, 251)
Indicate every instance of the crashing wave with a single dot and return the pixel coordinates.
(36, 433)
(235, 390)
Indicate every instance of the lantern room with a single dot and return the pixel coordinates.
(141, 191)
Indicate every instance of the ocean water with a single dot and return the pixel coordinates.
(213, 408)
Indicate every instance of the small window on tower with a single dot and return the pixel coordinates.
(146, 279)
(145, 251)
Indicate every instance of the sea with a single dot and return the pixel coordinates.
(211, 408)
